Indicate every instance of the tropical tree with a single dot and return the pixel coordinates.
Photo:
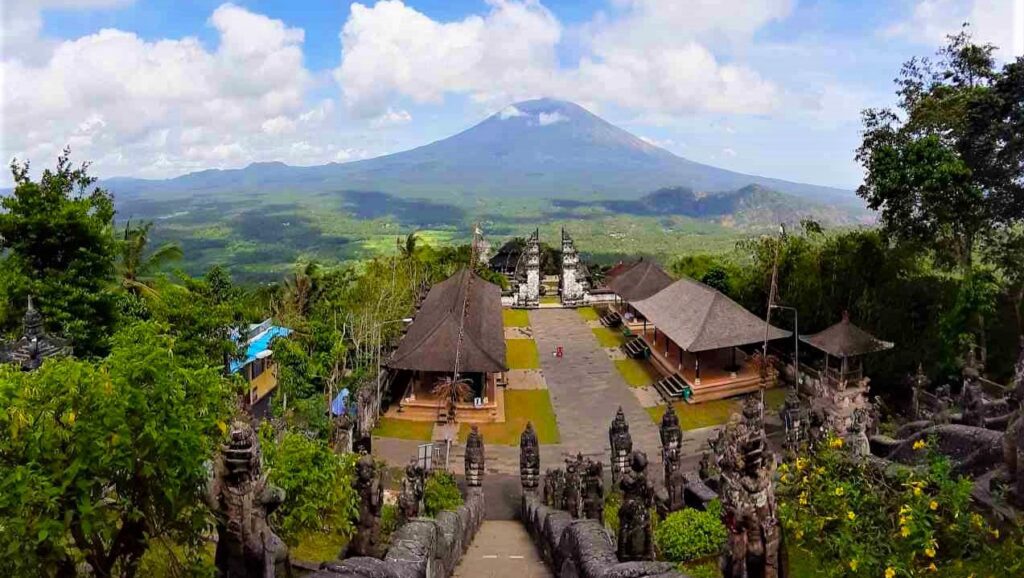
(100, 458)
(135, 268)
(55, 236)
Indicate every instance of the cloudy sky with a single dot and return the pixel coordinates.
(157, 88)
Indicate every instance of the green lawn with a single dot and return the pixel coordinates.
(716, 412)
(521, 406)
(802, 564)
(515, 317)
(588, 313)
(609, 337)
(550, 299)
(405, 429)
(319, 546)
(521, 354)
(637, 373)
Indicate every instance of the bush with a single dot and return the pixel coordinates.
(388, 521)
(441, 493)
(317, 483)
(691, 534)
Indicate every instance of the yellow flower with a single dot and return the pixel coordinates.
(890, 572)
(995, 533)
(851, 516)
(905, 531)
(799, 534)
(803, 499)
(784, 478)
(934, 505)
(223, 427)
(840, 491)
(853, 564)
(930, 552)
(835, 443)
(920, 444)
(917, 491)
(932, 567)
(801, 463)
(904, 509)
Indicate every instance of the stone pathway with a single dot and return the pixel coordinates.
(586, 389)
(502, 548)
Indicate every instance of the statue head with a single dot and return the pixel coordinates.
(638, 461)
(752, 408)
(365, 469)
(242, 457)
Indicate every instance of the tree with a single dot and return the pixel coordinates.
(135, 268)
(1005, 250)
(99, 458)
(57, 235)
(949, 165)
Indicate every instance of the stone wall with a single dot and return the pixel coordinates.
(421, 548)
(582, 548)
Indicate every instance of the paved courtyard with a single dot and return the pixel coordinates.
(502, 548)
(585, 387)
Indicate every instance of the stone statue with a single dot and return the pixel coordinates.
(857, 436)
(367, 483)
(748, 507)
(945, 405)
(529, 458)
(341, 440)
(973, 401)
(621, 443)
(919, 384)
(671, 433)
(675, 483)
(474, 458)
(574, 486)
(593, 491)
(242, 500)
(554, 488)
(410, 496)
(1013, 439)
(635, 540)
(1017, 384)
(793, 421)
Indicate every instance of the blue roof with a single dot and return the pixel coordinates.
(339, 403)
(258, 345)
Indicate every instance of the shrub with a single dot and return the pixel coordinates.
(691, 534)
(441, 493)
(388, 521)
(612, 503)
(317, 482)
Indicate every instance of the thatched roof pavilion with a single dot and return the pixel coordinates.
(844, 339)
(639, 281)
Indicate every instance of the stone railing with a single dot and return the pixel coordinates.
(581, 548)
(421, 548)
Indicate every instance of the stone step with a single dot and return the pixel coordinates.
(613, 319)
(637, 348)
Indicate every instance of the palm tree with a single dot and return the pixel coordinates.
(452, 391)
(302, 289)
(135, 268)
(409, 248)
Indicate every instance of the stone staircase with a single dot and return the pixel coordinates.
(673, 387)
(637, 348)
(612, 319)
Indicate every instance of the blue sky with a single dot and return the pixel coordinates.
(157, 88)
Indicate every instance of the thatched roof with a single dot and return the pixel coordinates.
(699, 318)
(430, 342)
(639, 281)
(844, 339)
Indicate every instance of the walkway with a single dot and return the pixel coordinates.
(586, 389)
(502, 548)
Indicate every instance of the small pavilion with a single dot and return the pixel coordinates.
(458, 328)
(35, 344)
(631, 283)
(846, 343)
(696, 338)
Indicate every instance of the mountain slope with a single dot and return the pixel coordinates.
(538, 148)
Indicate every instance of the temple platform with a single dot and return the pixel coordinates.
(426, 407)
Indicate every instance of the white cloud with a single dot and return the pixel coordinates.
(651, 55)
(728, 152)
(992, 21)
(158, 108)
(391, 117)
(510, 111)
(546, 118)
(23, 22)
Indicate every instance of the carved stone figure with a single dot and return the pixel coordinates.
(242, 500)
(574, 486)
(621, 443)
(367, 483)
(749, 510)
(410, 496)
(793, 421)
(341, 440)
(675, 482)
(474, 458)
(973, 401)
(593, 491)
(635, 540)
(919, 384)
(529, 458)
(554, 488)
(857, 436)
(1013, 439)
(671, 433)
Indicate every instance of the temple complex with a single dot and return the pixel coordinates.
(35, 344)
(526, 282)
(457, 333)
(573, 282)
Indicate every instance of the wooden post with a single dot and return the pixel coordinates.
(696, 368)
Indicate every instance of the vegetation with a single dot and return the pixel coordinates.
(515, 317)
(691, 534)
(405, 429)
(521, 406)
(637, 372)
(101, 457)
(862, 521)
(440, 493)
(521, 354)
(588, 313)
(608, 337)
(316, 481)
(714, 412)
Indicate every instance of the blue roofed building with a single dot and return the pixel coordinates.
(256, 364)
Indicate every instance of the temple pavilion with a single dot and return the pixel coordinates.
(457, 332)
(633, 282)
(35, 344)
(700, 341)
